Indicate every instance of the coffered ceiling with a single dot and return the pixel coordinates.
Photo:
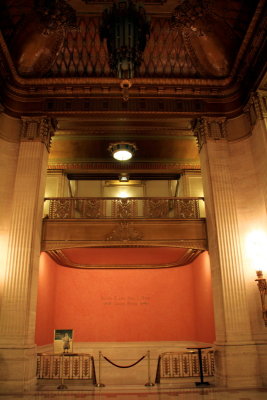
(164, 146)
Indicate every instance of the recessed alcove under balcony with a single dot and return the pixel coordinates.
(139, 222)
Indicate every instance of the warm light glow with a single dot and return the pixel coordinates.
(256, 247)
(123, 194)
(3, 247)
(122, 155)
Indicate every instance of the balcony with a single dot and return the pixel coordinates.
(131, 221)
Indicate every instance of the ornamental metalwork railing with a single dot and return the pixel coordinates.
(130, 207)
(58, 366)
(184, 365)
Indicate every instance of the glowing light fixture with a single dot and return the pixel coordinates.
(122, 151)
(256, 246)
(123, 177)
(123, 194)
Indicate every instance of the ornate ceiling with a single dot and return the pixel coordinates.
(202, 58)
(164, 146)
(188, 39)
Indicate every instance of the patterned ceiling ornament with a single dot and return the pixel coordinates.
(208, 38)
(56, 15)
(126, 28)
(188, 13)
(40, 36)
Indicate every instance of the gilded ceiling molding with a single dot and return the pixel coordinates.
(60, 258)
(118, 167)
(209, 128)
(110, 1)
(38, 129)
(198, 244)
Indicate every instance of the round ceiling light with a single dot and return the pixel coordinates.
(122, 151)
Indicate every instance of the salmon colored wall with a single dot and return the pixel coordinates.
(126, 305)
(205, 328)
(46, 300)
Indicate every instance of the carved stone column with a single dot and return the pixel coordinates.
(236, 357)
(9, 146)
(17, 318)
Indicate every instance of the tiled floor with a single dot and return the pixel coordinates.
(139, 393)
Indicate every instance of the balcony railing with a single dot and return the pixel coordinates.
(130, 207)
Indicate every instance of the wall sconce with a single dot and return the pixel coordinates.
(262, 285)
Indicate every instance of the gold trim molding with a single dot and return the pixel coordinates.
(62, 259)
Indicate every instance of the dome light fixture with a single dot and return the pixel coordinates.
(122, 151)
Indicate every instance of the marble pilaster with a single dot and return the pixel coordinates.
(234, 344)
(17, 318)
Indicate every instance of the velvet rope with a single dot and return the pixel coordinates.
(124, 366)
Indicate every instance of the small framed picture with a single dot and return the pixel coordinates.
(63, 340)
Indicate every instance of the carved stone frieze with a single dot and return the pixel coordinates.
(124, 232)
(209, 128)
(38, 129)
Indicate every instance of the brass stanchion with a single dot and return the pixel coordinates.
(62, 386)
(149, 383)
(99, 384)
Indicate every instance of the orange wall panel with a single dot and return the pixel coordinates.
(125, 304)
(46, 300)
(205, 326)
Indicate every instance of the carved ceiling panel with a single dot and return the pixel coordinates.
(83, 53)
(184, 42)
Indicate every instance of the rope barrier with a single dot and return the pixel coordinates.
(124, 366)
